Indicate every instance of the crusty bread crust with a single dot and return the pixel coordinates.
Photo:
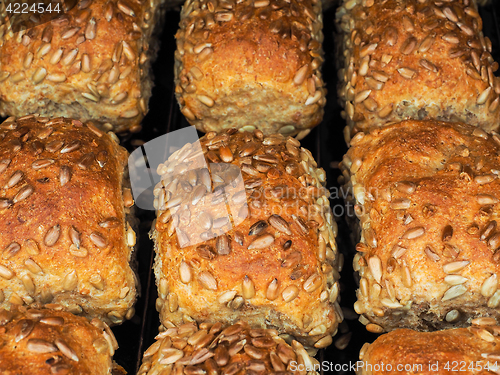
(427, 199)
(251, 64)
(92, 63)
(415, 60)
(66, 235)
(272, 271)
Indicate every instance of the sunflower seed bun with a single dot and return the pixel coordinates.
(66, 227)
(427, 195)
(215, 349)
(415, 60)
(469, 350)
(277, 267)
(91, 63)
(41, 341)
(251, 64)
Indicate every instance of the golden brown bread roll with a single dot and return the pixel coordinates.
(91, 63)
(41, 341)
(427, 195)
(416, 60)
(215, 349)
(276, 267)
(66, 235)
(473, 350)
(251, 64)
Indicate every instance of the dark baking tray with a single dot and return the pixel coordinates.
(327, 145)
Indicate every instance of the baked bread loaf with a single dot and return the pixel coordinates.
(427, 196)
(415, 60)
(66, 227)
(272, 261)
(215, 349)
(91, 63)
(472, 350)
(251, 64)
(40, 341)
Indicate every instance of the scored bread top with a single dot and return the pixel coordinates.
(90, 63)
(65, 234)
(427, 196)
(277, 266)
(42, 341)
(416, 60)
(251, 64)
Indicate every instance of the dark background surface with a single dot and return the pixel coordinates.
(327, 145)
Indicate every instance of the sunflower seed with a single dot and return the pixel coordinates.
(290, 293)
(483, 97)
(488, 230)
(280, 224)
(16, 177)
(98, 240)
(23, 193)
(455, 266)
(125, 8)
(42, 163)
(86, 161)
(494, 241)
(454, 292)
(407, 73)
(484, 179)
(489, 286)
(66, 350)
(64, 175)
(110, 222)
(292, 260)
(72, 146)
(375, 266)
(313, 282)
(485, 199)
(257, 228)
(206, 252)
(33, 267)
(273, 290)
(223, 245)
(248, 288)
(301, 75)
(23, 329)
(262, 242)
(408, 46)
(70, 281)
(40, 346)
(11, 250)
(4, 163)
(431, 254)
(207, 280)
(79, 252)
(52, 235)
(400, 204)
(413, 233)
(454, 279)
(170, 356)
